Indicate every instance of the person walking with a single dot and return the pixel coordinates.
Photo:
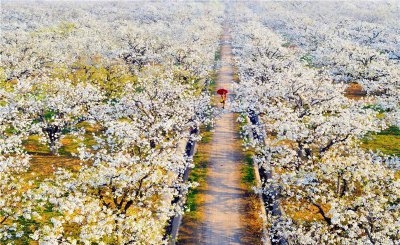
(223, 93)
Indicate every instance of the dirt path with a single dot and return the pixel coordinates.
(225, 201)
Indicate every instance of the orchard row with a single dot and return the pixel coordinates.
(119, 84)
(295, 62)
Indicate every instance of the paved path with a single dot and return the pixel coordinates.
(224, 195)
(225, 217)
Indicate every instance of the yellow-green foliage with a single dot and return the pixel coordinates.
(248, 175)
(199, 174)
(387, 141)
(111, 78)
(69, 143)
(188, 77)
(388, 144)
(63, 29)
(3, 76)
(7, 86)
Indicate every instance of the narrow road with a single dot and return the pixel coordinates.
(223, 199)
(225, 213)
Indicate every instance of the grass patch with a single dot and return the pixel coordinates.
(69, 144)
(217, 55)
(43, 166)
(211, 86)
(248, 176)
(34, 146)
(199, 173)
(206, 137)
(236, 77)
(386, 141)
(392, 130)
(388, 144)
(303, 211)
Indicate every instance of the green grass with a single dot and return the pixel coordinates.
(211, 86)
(199, 173)
(375, 108)
(28, 229)
(388, 144)
(68, 144)
(386, 141)
(308, 59)
(206, 137)
(217, 55)
(392, 130)
(248, 176)
(34, 146)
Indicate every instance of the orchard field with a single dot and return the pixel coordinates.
(114, 129)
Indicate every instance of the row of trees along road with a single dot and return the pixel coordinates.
(123, 83)
(295, 64)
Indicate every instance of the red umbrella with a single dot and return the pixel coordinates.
(222, 91)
